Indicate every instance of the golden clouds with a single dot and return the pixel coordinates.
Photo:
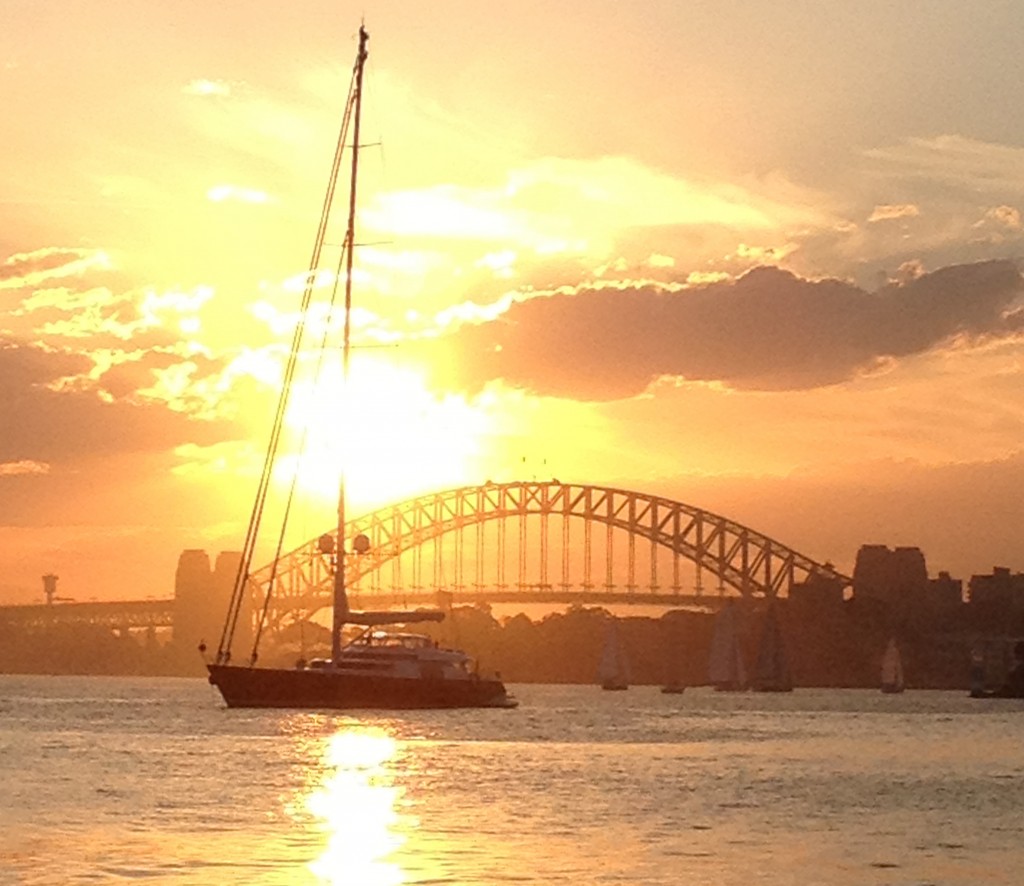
(175, 307)
(656, 260)
(27, 269)
(100, 343)
(471, 312)
(702, 278)
(566, 206)
(442, 212)
(207, 87)
(1007, 216)
(24, 466)
(890, 211)
(623, 192)
(100, 313)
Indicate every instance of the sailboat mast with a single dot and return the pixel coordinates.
(340, 601)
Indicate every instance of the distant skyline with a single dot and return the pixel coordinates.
(761, 258)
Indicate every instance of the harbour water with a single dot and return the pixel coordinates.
(118, 780)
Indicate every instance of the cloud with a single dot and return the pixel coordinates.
(60, 293)
(207, 87)
(585, 207)
(27, 269)
(90, 366)
(55, 413)
(909, 270)
(25, 466)
(983, 167)
(112, 343)
(767, 330)
(888, 211)
(941, 202)
(1004, 216)
(95, 313)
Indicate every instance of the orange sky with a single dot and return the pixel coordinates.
(762, 259)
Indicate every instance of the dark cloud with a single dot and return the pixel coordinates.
(25, 367)
(767, 330)
(40, 424)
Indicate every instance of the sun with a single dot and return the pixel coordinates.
(394, 437)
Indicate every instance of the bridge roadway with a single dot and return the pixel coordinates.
(135, 614)
(116, 614)
(555, 597)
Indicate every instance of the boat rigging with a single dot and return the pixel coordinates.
(377, 669)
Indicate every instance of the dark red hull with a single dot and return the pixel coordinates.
(244, 687)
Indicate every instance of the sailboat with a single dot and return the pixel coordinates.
(726, 669)
(892, 668)
(613, 669)
(772, 673)
(377, 668)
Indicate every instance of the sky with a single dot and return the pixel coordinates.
(761, 258)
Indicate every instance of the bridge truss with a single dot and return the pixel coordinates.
(542, 542)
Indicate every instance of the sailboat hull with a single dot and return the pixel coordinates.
(250, 687)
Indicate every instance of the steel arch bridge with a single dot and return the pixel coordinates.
(513, 542)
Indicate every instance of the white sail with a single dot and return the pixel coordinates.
(613, 670)
(892, 668)
(726, 669)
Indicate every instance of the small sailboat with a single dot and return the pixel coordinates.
(613, 669)
(772, 673)
(726, 669)
(377, 668)
(892, 668)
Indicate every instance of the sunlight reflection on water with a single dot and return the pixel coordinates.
(356, 804)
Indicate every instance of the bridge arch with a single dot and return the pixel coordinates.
(745, 561)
